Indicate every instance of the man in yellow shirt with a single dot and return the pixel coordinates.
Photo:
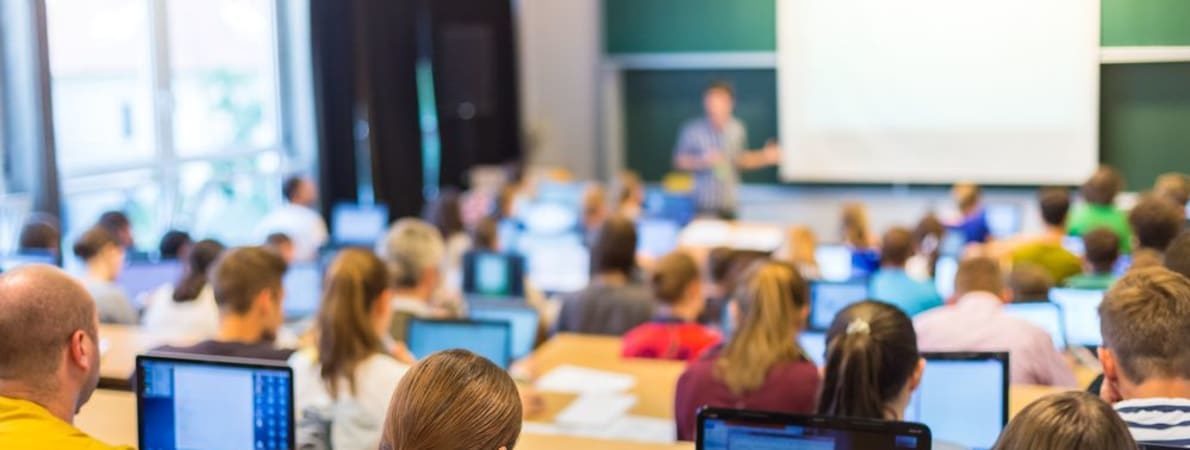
(49, 359)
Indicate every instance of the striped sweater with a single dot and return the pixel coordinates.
(1157, 421)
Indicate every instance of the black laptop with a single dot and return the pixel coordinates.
(726, 429)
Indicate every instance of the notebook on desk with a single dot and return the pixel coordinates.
(724, 429)
(189, 402)
(963, 398)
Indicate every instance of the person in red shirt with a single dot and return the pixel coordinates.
(761, 367)
(674, 332)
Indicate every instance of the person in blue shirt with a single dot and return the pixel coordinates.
(973, 223)
(893, 285)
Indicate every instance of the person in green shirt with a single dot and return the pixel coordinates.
(1046, 250)
(1102, 250)
(1100, 211)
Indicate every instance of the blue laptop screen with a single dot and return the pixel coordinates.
(827, 299)
(721, 434)
(963, 401)
(834, 261)
(359, 224)
(139, 279)
(491, 340)
(193, 405)
(493, 274)
(303, 291)
(522, 320)
(1047, 316)
(814, 346)
(558, 264)
(657, 237)
(1080, 312)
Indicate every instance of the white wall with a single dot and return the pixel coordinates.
(560, 52)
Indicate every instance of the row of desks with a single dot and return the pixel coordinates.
(111, 414)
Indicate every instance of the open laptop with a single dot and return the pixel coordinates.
(558, 264)
(491, 339)
(963, 398)
(678, 207)
(1080, 314)
(657, 237)
(827, 298)
(1004, 219)
(303, 291)
(813, 344)
(725, 429)
(834, 262)
(491, 275)
(1046, 315)
(191, 402)
(140, 278)
(358, 225)
(945, 271)
(523, 320)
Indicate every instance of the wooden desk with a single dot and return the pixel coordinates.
(118, 363)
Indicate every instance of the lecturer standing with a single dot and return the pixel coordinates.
(714, 149)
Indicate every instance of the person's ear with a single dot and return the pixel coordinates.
(80, 351)
(1111, 371)
(918, 373)
(805, 312)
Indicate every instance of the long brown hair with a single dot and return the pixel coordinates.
(856, 229)
(202, 256)
(871, 353)
(1067, 421)
(453, 400)
(354, 283)
(771, 303)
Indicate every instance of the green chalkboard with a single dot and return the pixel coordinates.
(661, 26)
(1145, 22)
(1145, 120)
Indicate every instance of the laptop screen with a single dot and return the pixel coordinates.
(523, 321)
(1004, 219)
(1080, 313)
(745, 430)
(141, 278)
(813, 344)
(229, 404)
(303, 291)
(828, 298)
(680, 208)
(493, 274)
(963, 398)
(1047, 316)
(558, 265)
(358, 224)
(944, 273)
(834, 262)
(489, 339)
(657, 237)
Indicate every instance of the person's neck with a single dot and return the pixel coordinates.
(418, 294)
(686, 310)
(239, 329)
(612, 278)
(56, 401)
(99, 271)
(1054, 233)
(1158, 388)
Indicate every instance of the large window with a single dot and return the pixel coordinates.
(168, 110)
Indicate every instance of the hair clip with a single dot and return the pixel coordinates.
(858, 326)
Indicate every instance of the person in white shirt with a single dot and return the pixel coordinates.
(104, 258)
(187, 310)
(297, 219)
(413, 250)
(342, 385)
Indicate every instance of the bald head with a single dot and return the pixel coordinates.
(41, 307)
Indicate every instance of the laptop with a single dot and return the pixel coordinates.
(828, 298)
(1003, 219)
(138, 279)
(494, 275)
(657, 237)
(834, 262)
(490, 339)
(681, 208)
(1046, 315)
(303, 291)
(945, 271)
(523, 321)
(725, 429)
(190, 402)
(813, 344)
(952, 243)
(558, 265)
(1074, 244)
(963, 398)
(358, 225)
(1080, 314)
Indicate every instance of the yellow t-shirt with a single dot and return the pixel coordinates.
(25, 425)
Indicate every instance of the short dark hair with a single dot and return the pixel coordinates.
(1145, 321)
(672, 275)
(41, 307)
(290, 186)
(1103, 186)
(486, 235)
(114, 221)
(1101, 249)
(93, 241)
(241, 274)
(719, 263)
(896, 247)
(278, 239)
(1156, 222)
(720, 85)
(1055, 204)
(615, 247)
(980, 274)
(1030, 282)
(1177, 255)
(1173, 186)
(172, 243)
(40, 232)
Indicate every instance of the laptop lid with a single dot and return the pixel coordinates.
(522, 320)
(657, 237)
(827, 298)
(490, 339)
(497, 275)
(724, 429)
(1003, 219)
(963, 398)
(834, 262)
(358, 225)
(303, 291)
(188, 402)
(945, 271)
(1080, 314)
(141, 278)
(678, 207)
(1046, 315)
(813, 344)
(558, 264)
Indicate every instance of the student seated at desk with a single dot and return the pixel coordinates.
(414, 252)
(49, 359)
(246, 282)
(1029, 283)
(453, 400)
(1101, 251)
(972, 223)
(761, 367)
(893, 284)
(1067, 421)
(188, 308)
(104, 257)
(343, 385)
(857, 235)
(40, 235)
(1155, 221)
(282, 245)
(175, 245)
(1146, 325)
(872, 363)
(1046, 249)
(614, 302)
(1100, 210)
(976, 322)
(674, 332)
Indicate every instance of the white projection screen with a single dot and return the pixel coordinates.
(936, 91)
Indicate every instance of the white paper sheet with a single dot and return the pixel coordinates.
(579, 380)
(596, 410)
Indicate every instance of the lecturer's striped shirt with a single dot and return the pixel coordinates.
(1157, 421)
